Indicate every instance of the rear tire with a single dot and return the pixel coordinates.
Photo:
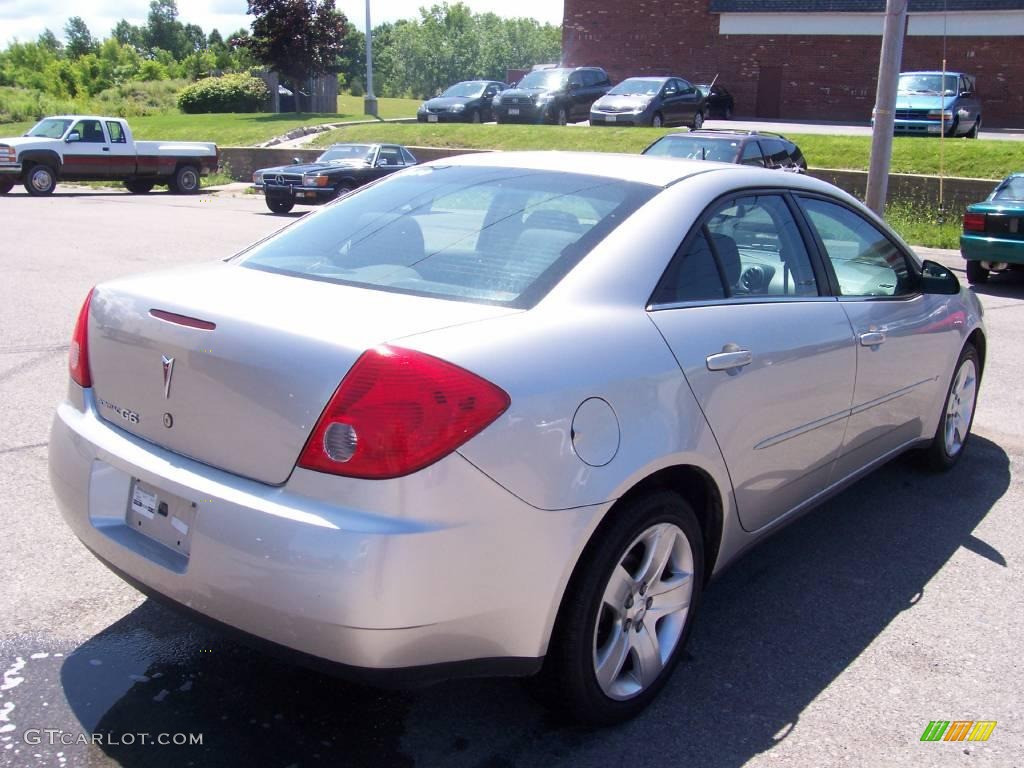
(40, 180)
(647, 565)
(138, 187)
(976, 274)
(6, 185)
(280, 206)
(954, 428)
(185, 181)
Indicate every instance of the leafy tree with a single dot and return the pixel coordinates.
(164, 31)
(214, 39)
(49, 41)
(80, 40)
(128, 34)
(298, 39)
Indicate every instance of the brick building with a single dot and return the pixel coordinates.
(802, 59)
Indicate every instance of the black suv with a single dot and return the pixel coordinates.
(552, 96)
(764, 150)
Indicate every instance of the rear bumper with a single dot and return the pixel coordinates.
(527, 113)
(443, 567)
(984, 248)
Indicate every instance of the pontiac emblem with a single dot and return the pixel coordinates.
(168, 372)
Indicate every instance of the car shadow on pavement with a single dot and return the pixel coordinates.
(1009, 285)
(774, 632)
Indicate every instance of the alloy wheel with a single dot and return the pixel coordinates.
(643, 611)
(960, 407)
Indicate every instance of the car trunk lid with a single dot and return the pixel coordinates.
(233, 366)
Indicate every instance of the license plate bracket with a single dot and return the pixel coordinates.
(161, 516)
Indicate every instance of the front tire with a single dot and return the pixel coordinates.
(562, 116)
(278, 205)
(627, 612)
(657, 121)
(185, 181)
(40, 181)
(975, 130)
(961, 400)
(698, 122)
(474, 116)
(976, 274)
(343, 189)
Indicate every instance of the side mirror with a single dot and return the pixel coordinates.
(937, 279)
(296, 161)
(73, 136)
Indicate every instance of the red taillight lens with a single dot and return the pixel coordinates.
(974, 222)
(398, 411)
(78, 355)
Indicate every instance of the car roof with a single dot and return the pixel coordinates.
(651, 77)
(933, 72)
(643, 169)
(354, 144)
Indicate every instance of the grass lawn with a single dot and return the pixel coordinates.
(233, 130)
(963, 157)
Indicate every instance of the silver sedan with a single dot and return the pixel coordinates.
(507, 413)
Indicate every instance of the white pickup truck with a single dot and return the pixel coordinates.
(91, 148)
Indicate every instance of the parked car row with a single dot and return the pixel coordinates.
(572, 94)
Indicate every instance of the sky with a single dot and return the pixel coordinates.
(26, 19)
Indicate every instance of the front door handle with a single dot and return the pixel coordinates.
(871, 338)
(106, 149)
(730, 359)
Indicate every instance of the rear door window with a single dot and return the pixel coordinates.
(775, 153)
(116, 132)
(752, 155)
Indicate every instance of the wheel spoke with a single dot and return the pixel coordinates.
(659, 550)
(620, 585)
(608, 663)
(670, 600)
(647, 656)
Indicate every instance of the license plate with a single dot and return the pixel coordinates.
(161, 516)
(431, 118)
(609, 118)
(513, 111)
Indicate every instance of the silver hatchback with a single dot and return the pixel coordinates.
(505, 413)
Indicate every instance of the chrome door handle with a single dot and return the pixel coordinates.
(730, 359)
(871, 338)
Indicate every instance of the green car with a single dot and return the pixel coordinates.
(993, 236)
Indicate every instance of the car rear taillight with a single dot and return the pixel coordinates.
(398, 411)
(78, 355)
(974, 222)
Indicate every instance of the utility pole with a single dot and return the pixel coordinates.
(370, 102)
(885, 103)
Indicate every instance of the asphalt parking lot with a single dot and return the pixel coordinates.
(834, 643)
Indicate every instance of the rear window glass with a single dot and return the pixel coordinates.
(696, 148)
(489, 235)
(1010, 189)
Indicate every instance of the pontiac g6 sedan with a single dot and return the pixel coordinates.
(505, 413)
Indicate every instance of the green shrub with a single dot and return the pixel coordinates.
(230, 93)
(356, 87)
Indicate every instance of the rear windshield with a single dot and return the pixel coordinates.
(1010, 189)
(488, 235)
(695, 148)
